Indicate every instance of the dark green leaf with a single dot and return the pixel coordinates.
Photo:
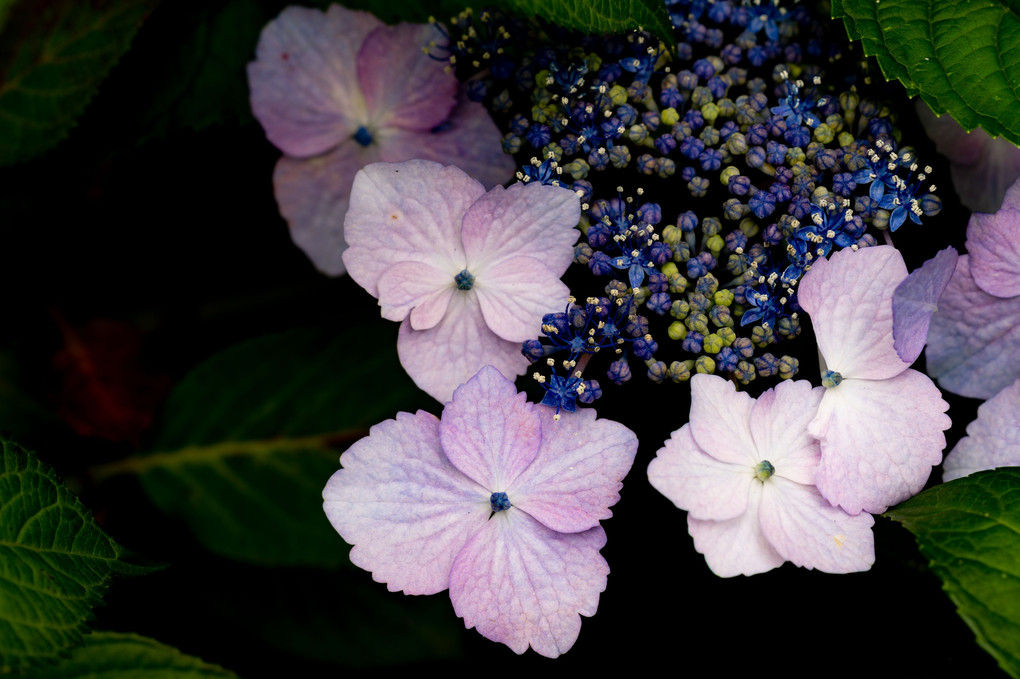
(53, 58)
(599, 16)
(55, 562)
(969, 530)
(109, 655)
(962, 57)
(251, 436)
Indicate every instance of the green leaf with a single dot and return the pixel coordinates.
(55, 562)
(960, 57)
(969, 530)
(599, 16)
(109, 655)
(54, 57)
(251, 436)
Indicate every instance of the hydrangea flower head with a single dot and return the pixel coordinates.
(496, 501)
(338, 90)
(975, 334)
(880, 424)
(470, 274)
(743, 469)
(992, 440)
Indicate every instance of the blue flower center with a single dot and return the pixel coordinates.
(499, 502)
(831, 378)
(464, 280)
(764, 470)
(363, 136)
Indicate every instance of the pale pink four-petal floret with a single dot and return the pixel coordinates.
(743, 469)
(338, 90)
(416, 499)
(470, 274)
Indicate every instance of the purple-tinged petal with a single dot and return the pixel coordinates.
(408, 211)
(304, 86)
(515, 294)
(313, 195)
(520, 583)
(697, 482)
(993, 243)
(403, 87)
(531, 220)
(737, 546)
(469, 139)
(974, 338)
(916, 299)
(578, 473)
(992, 440)
(849, 300)
(779, 420)
(417, 289)
(489, 431)
(442, 358)
(720, 417)
(880, 439)
(809, 532)
(403, 506)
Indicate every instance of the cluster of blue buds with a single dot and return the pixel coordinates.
(712, 173)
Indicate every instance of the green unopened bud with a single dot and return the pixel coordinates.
(618, 95)
(788, 367)
(677, 331)
(712, 344)
(679, 309)
(728, 173)
(727, 335)
(710, 112)
(715, 244)
(723, 297)
(764, 470)
(669, 117)
(704, 364)
(824, 134)
(680, 371)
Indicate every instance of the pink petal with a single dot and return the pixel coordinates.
(404, 87)
(992, 440)
(469, 140)
(720, 420)
(520, 583)
(515, 294)
(737, 546)
(408, 286)
(697, 482)
(779, 420)
(489, 431)
(403, 506)
(406, 212)
(578, 473)
(916, 299)
(809, 532)
(849, 300)
(313, 195)
(880, 439)
(304, 87)
(530, 220)
(993, 243)
(974, 338)
(442, 358)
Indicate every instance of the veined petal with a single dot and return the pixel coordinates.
(779, 420)
(530, 220)
(720, 420)
(408, 211)
(972, 338)
(809, 532)
(737, 546)
(992, 440)
(304, 85)
(522, 584)
(880, 439)
(403, 87)
(993, 243)
(403, 506)
(697, 482)
(515, 294)
(489, 431)
(417, 289)
(916, 299)
(442, 358)
(578, 472)
(313, 195)
(849, 300)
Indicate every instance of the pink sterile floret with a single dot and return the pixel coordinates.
(743, 469)
(992, 440)
(338, 90)
(496, 501)
(880, 424)
(470, 274)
